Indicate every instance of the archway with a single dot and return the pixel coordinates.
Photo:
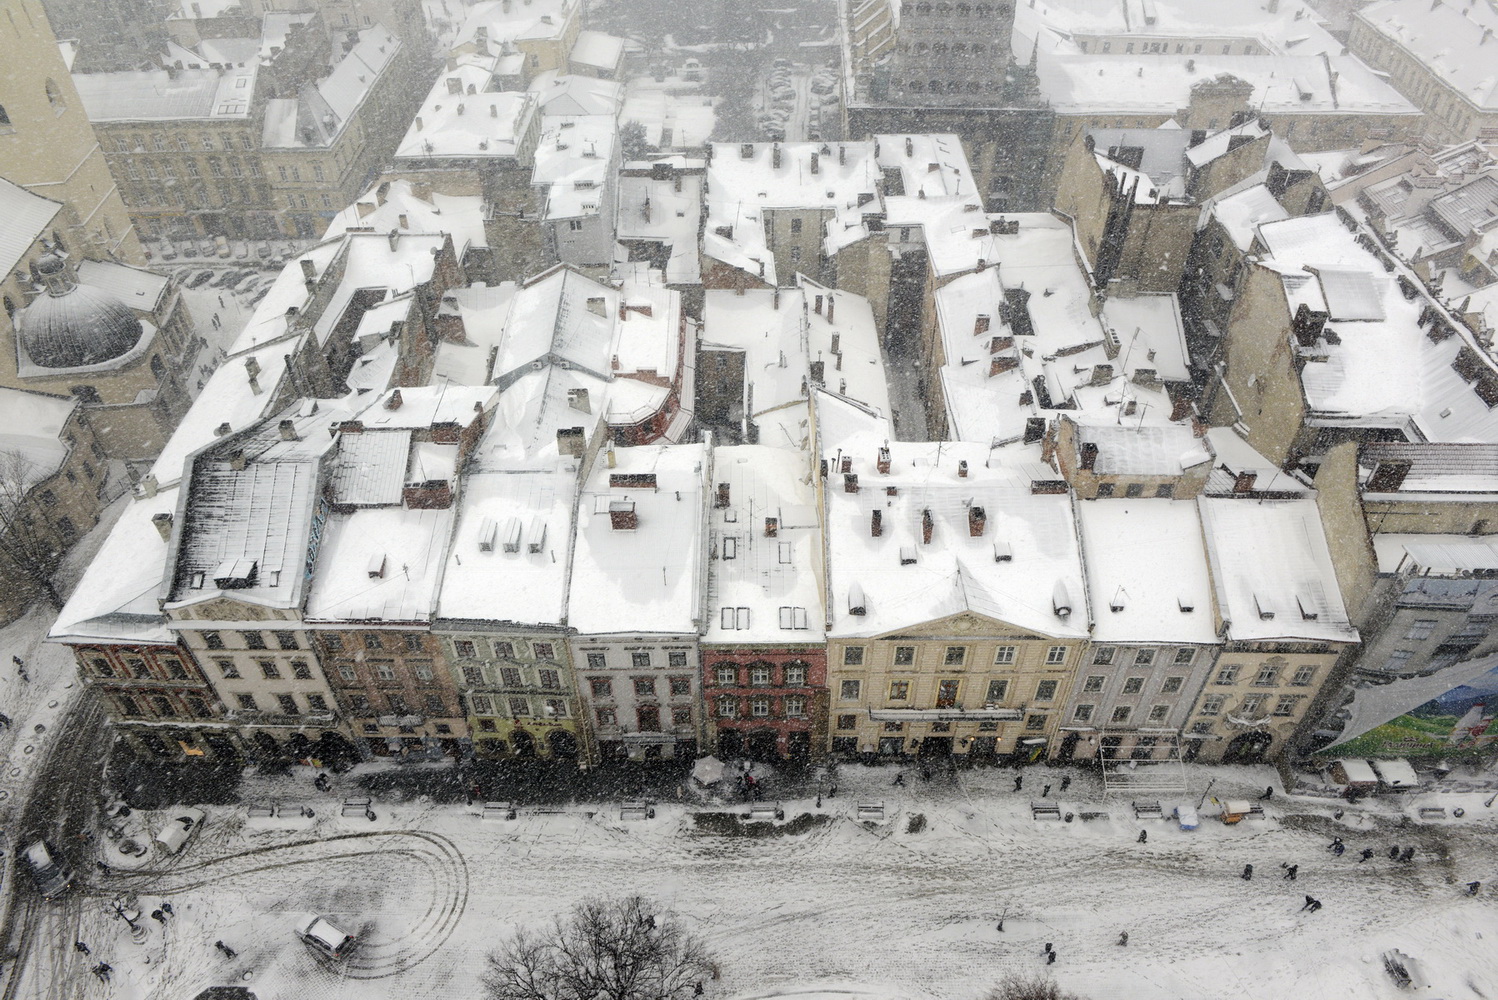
(523, 743)
(798, 746)
(1247, 748)
(299, 745)
(266, 744)
(333, 749)
(1068, 748)
(562, 743)
(761, 745)
(1192, 751)
(221, 748)
(730, 744)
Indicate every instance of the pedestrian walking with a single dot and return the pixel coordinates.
(1408, 854)
(102, 970)
(1473, 888)
(1144, 836)
(167, 909)
(1336, 843)
(1248, 873)
(1123, 939)
(899, 779)
(1367, 853)
(159, 917)
(1337, 851)
(1050, 958)
(1045, 792)
(228, 952)
(697, 988)
(1019, 782)
(1047, 947)
(21, 668)
(1065, 782)
(80, 947)
(1290, 872)
(4, 721)
(1315, 905)
(1268, 794)
(1394, 853)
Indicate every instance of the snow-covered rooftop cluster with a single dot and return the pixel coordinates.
(1289, 27)
(1126, 543)
(1449, 39)
(575, 163)
(320, 111)
(660, 203)
(463, 119)
(166, 95)
(412, 207)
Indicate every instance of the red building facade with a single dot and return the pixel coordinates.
(765, 703)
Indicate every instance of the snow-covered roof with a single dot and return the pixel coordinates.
(668, 211)
(425, 406)
(1272, 571)
(115, 600)
(167, 95)
(766, 588)
(1024, 568)
(1357, 770)
(503, 21)
(648, 577)
(1147, 571)
(383, 207)
(27, 217)
(512, 548)
(1241, 214)
(33, 423)
(1289, 26)
(1433, 467)
(467, 125)
(569, 94)
(483, 311)
(1149, 450)
(1380, 368)
(1150, 332)
(596, 50)
(574, 163)
(1161, 84)
(380, 564)
(1448, 39)
(1439, 555)
(320, 111)
(930, 166)
(1233, 456)
(671, 121)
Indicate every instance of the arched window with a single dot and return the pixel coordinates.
(977, 49)
(54, 97)
(921, 46)
(157, 368)
(954, 87)
(940, 48)
(916, 86)
(985, 11)
(963, 10)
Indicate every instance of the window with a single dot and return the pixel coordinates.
(759, 675)
(333, 642)
(1227, 674)
(247, 702)
(795, 674)
(1035, 723)
(1185, 656)
(596, 661)
(471, 675)
(137, 667)
(1158, 713)
(676, 658)
(556, 708)
(601, 687)
(481, 705)
(997, 690)
(1003, 655)
(1398, 661)
(728, 707)
(955, 656)
(899, 690)
(1421, 628)
(372, 641)
(269, 669)
(510, 677)
(288, 705)
(361, 704)
(681, 687)
(422, 669)
(1121, 714)
(385, 670)
(551, 680)
(1165, 491)
(520, 706)
(847, 722)
(286, 640)
(253, 640)
(1268, 676)
(726, 674)
(1093, 684)
(1212, 705)
(346, 671)
(645, 687)
(795, 255)
(795, 225)
(1055, 655)
(1105, 489)
(488, 726)
(434, 705)
(412, 642)
(1286, 705)
(317, 703)
(852, 656)
(1045, 691)
(1201, 728)
(301, 670)
(1103, 655)
(317, 171)
(1172, 685)
(640, 659)
(904, 656)
(759, 707)
(543, 650)
(946, 693)
(1303, 676)
(1083, 713)
(101, 667)
(1253, 704)
(1133, 685)
(227, 668)
(1144, 657)
(795, 707)
(850, 690)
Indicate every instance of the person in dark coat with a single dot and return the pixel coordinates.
(1019, 782)
(1144, 836)
(1394, 853)
(1337, 851)
(1408, 854)
(1290, 872)
(80, 947)
(1065, 782)
(1268, 794)
(1367, 853)
(1248, 873)
(1123, 939)
(1045, 792)
(1473, 888)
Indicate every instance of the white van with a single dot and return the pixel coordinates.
(178, 830)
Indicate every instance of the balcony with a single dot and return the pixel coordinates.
(954, 714)
(248, 717)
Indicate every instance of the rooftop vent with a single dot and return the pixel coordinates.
(857, 603)
(907, 555)
(1061, 600)
(1002, 550)
(377, 566)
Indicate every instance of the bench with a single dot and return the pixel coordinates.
(870, 812)
(262, 812)
(1088, 817)
(1432, 812)
(1147, 810)
(764, 811)
(498, 810)
(637, 809)
(1045, 810)
(357, 807)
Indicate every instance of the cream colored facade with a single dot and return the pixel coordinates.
(963, 685)
(1256, 697)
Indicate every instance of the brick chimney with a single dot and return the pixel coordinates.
(395, 401)
(850, 482)
(876, 523)
(962, 469)
(772, 527)
(977, 520)
(883, 464)
(722, 499)
(928, 524)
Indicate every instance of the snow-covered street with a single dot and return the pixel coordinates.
(840, 904)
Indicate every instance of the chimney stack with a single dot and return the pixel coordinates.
(163, 522)
(830, 303)
(816, 163)
(883, 462)
(977, 520)
(876, 523)
(288, 431)
(962, 469)
(395, 400)
(928, 524)
(772, 527)
(850, 482)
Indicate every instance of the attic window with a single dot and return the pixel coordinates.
(730, 548)
(793, 618)
(1308, 609)
(1265, 609)
(1186, 604)
(907, 555)
(734, 618)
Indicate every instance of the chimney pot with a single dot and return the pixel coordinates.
(962, 469)
(288, 431)
(395, 401)
(928, 525)
(876, 523)
(977, 520)
(772, 527)
(163, 522)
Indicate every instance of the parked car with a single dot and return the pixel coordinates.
(49, 871)
(168, 252)
(200, 279)
(221, 246)
(1186, 816)
(182, 827)
(324, 937)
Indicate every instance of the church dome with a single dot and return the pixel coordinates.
(73, 325)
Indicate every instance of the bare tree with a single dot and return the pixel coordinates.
(27, 541)
(1018, 987)
(623, 949)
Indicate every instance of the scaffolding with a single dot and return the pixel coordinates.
(1162, 773)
